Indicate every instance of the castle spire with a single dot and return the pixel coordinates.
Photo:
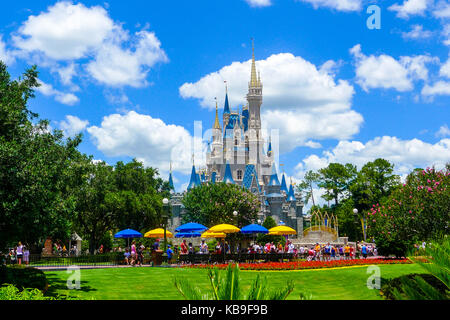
(226, 107)
(253, 79)
(216, 121)
(171, 186)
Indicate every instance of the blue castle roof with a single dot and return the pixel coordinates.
(274, 177)
(291, 195)
(228, 177)
(226, 107)
(171, 182)
(249, 174)
(283, 185)
(245, 116)
(194, 181)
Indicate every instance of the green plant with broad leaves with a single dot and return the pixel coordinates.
(229, 287)
(436, 261)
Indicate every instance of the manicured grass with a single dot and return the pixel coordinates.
(158, 283)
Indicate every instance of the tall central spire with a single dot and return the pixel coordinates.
(253, 79)
(216, 121)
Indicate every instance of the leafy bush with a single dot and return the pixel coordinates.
(23, 277)
(417, 211)
(229, 288)
(390, 287)
(10, 292)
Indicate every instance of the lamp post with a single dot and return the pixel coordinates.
(165, 216)
(363, 223)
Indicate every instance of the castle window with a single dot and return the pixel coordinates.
(235, 142)
(239, 174)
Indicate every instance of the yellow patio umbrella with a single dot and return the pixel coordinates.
(224, 228)
(281, 231)
(208, 234)
(158, 233)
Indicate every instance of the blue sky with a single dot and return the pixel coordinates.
(134, 76)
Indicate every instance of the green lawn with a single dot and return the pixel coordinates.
(157, 283)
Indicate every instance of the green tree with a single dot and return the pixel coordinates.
(374, 182)
(336, 180)
(212, 204)
(269, 223)
(95, 203)
(137, 203)
(36, 172)
(305, 187)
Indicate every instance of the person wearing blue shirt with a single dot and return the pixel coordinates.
(169, 253)
(364, 251)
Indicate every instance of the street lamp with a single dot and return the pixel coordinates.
(259, 221)
(363, 222)
(165, 216)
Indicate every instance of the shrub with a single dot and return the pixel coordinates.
(418, 210)
(10, 292)
(389, 287)
(23, 277)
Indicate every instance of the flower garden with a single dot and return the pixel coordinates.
(302, 265)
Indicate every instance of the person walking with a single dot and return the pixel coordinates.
(19, 252)
(133, 253)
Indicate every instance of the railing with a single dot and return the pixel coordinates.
(38, 260)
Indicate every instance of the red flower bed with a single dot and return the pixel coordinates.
(305, 264)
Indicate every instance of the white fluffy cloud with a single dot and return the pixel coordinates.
(259, 3)
(410, 8)
(7, 56)
(296, 97)
(442, 9)
(445, 69)
(64, 98)
(73, 125)
(386, 72)
(118, 67)
(340, 5)
(66, 31)
(444, 131)
(417, 32)
(439, 88)
(69, 32)
(405, 154)
(148, 139)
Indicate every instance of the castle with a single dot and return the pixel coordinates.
(236, 155)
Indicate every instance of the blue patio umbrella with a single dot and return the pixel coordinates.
(128, 233)
(191, 227)
(254, 228)
(187, 235)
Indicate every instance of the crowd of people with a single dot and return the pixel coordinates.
(19, 254)
(323, 252)
(134, 255)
